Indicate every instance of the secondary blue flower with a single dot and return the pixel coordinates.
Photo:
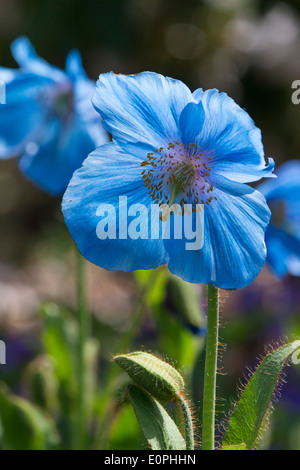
(172, 145)
(283, 233)
(48, 120)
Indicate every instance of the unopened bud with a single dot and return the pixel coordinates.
(155, 376)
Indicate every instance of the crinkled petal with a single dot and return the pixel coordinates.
(107, 174)
(233, 251)
(141, 109)
(231, 139)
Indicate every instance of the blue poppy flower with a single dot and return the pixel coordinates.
(283, 233)
(171, 146)
(48, 120)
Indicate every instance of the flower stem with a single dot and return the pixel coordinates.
(188, 422)
(210, 374)
(83, 333)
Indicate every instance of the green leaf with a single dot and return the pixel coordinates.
(132, 438)
(235, 447)
(158, 427)
(60, 341)
(156, 290)
(186, 301)
(249, 417)
(176, 341)
(41, 382)
(24, 426)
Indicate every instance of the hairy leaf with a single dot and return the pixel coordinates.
(248, 418)
(158, 427)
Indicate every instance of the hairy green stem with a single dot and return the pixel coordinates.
(188, 422)
(210, 373)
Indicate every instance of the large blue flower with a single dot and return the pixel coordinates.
(283, 233)
(48, 120)
(172, 145)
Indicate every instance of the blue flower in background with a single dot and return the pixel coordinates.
(172, 145)
(283, 233)
(48, 120)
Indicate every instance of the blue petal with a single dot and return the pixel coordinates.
(62, 148)
(234, 250)
(141, 109)
(74, 68)
(191, 122)
(23, 107)
(283, 234)
(83, 89)
(107, 174)
(231, 138)
(287, 184)
(283, 252)
(283, 195)
(8, 75)
(25, 55)
(294, 265)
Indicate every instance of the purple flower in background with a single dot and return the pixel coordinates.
(48, 119)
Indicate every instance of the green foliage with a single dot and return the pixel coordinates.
(176, 309)
(46, 419)
(249, 417)
(55, 385)
(42, 384)
(186, 301)
(24, 426)
(59, 338)
(158, 427)
(157, 290)
(131, 439)
(235, 447)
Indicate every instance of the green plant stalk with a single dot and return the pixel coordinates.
(188, 422)
(210, 372)
(83, 333)
(111, 379)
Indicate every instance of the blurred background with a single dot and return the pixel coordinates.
(247, 48)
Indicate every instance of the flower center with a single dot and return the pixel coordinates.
(178, 174)
(59, 99)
